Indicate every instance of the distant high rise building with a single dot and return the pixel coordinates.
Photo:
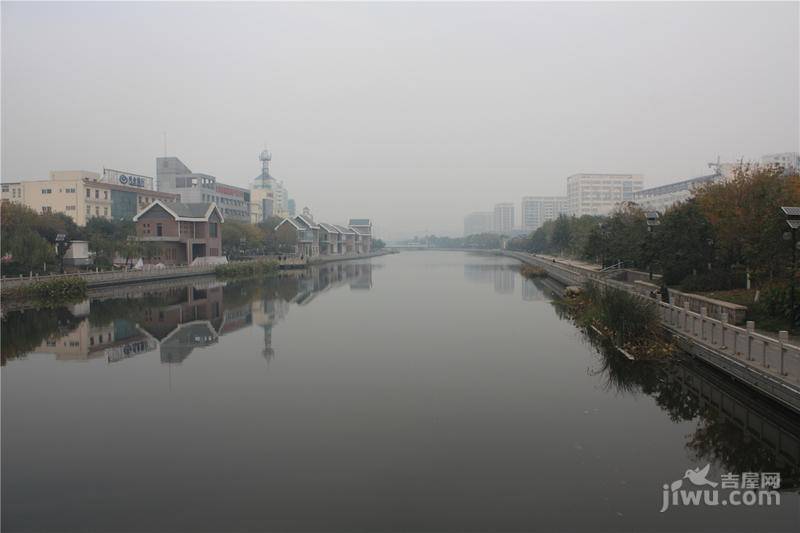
(478, 222)
(536, 210)
(599, 194)
(193, 187)
(503, 218)
(291, 207)
(788, 160)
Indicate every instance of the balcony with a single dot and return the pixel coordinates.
(160, 238)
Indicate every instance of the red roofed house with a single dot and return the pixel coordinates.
(181, 232)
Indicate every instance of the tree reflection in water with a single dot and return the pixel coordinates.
(737, 429)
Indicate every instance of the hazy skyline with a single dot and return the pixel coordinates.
(410, 114)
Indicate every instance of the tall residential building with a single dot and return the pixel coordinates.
(599, 194)
(788, 160)
(478, 222)
(292, 207)
(503, 218)
(194, 187)
(536, 210)
(665, 196)
(83, 195)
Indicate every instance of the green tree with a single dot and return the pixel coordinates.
(685, 242)
(22, 247)
(748, 224)
(562, 233)
(236, 235)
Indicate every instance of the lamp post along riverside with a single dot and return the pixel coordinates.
(793, 221)
(62, 245)
(653, 220)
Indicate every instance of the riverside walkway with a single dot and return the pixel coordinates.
(769, 364)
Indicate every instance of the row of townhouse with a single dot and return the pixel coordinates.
(310, 238)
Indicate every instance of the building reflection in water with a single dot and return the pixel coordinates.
(175, 320)
(504, 277)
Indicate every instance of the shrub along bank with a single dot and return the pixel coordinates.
(627, 320)
(51, 292)
(246, 269)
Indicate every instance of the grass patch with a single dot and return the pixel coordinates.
(759, 312)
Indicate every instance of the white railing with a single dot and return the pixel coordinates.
(774, 356)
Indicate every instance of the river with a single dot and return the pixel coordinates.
(423, 391)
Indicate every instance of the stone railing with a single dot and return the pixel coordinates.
(773, 355)
(753, 353)
(737, 314)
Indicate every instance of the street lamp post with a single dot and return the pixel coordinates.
(62, 245)
(653, 220)
(793, 221)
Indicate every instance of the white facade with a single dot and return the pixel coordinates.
(536, 210)
(785, 159)
(663, 197)
(478, 222)
(599, 194)
(503, 218)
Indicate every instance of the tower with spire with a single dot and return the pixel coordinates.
(268, 197)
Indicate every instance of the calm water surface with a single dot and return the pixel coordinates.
(425, 391)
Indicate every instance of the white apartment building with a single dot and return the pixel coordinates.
(665, 196)
(83, 195)
(478, 222)
(599, 194)
(536, 210)
(503, 218)
(787, 160)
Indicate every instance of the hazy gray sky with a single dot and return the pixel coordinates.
(411, 114)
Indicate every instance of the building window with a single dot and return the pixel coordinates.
(70, 208)
(88, 210)
(88, 193)
(47, 191)
(159, 230)
(105, 211)
(97, 194)
(105, 195)
(212, 230)
(97, 211)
